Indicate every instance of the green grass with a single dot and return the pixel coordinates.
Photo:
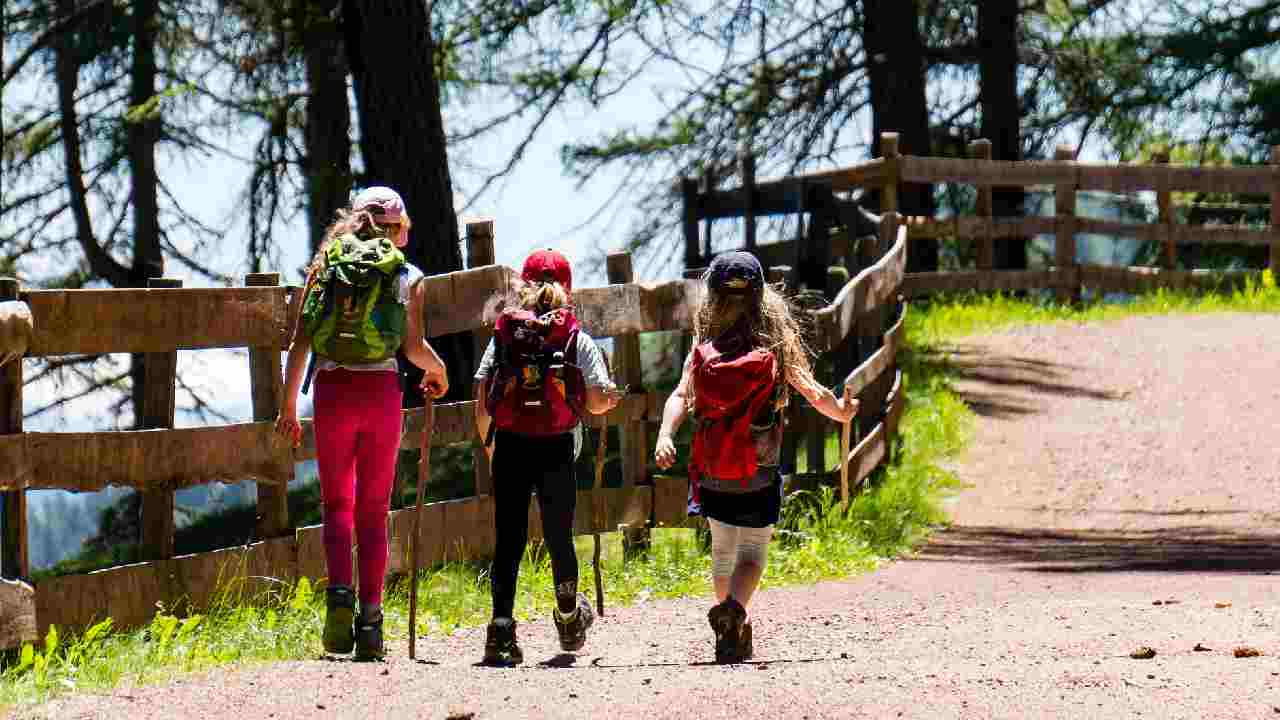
(817, 539)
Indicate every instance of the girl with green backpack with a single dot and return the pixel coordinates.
(362, 302)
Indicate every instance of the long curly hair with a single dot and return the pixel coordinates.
(772, 322)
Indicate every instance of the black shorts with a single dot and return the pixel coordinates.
(758, 508)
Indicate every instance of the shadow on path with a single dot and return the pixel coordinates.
(1186, 549)
(1001, 385)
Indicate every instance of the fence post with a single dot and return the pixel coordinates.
(633, 437)
(707, 186)
(980, 149)
(267, 385)
(480, 252)
(747, 168)
(689, 202)
(1164, 204)
(1275, 213)
(14, 560)
(1064, 246)
(160, 372)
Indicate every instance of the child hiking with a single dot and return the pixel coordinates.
(536, 379)
(362, 303)
(747, 352)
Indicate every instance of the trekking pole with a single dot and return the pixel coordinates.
(595, 534)
(415, 554)
(844, 451)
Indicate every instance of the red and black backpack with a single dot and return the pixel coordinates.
(733, 389)
(537, 387)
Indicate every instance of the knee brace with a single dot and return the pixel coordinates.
(753, 545)
(724, 548)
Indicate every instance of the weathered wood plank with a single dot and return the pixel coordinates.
(17, 614)
(874, 447)
(157, 412)
(1089, 176)
(266, 385)
(142, 459)
(881, 360)
(971, 227)
(465, 299)
(14, 558)
(159, 320)
(782, 195)
(921, 284)
(637, 307)
(980, 149)
(868, 289)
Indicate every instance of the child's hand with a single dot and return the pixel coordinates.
(288, 425)
(847, 407)
(665, 453)
(435, 384)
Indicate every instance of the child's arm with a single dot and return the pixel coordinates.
(822, 399)
(482, 415)
(673, 413)
(287, 423)
(602, 394)
(419, 351)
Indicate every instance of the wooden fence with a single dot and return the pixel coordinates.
(164, 318)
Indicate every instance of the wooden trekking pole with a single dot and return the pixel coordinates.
(415, 553)
(844, 450)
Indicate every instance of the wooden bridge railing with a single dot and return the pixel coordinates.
(159, 321)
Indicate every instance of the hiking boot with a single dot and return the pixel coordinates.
(339, 616)
(745, 648)
(500, 647)
(369, 638)
(573, 629)
(726, 621)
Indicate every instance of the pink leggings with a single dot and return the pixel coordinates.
(357, 424)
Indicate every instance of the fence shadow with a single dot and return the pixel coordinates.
(1003, 385)
(1184, 549)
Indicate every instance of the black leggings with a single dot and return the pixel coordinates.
(522, 464)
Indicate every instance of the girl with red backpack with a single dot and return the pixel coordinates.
(748, 351)
(362, 302)
(536, 379)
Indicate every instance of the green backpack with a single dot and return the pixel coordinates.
(353, 311)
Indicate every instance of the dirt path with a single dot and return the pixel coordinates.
(1124, 484)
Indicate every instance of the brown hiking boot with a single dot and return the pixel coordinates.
(500, 646)
(573, 631)
(745, 648)
(726, 621)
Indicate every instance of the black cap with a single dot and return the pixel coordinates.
(735, 273)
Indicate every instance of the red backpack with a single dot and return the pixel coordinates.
(537, 387)
(730, 390)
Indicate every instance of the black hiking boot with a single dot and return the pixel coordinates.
(500, 647)
(573, 629)
(369, 638)
(745, 648)
(339, 616)
(726, 621)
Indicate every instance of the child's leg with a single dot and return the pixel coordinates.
(335, 429)
(724, 556)
(511, 475)
(557, 501)
(752, 554)
(377, 446)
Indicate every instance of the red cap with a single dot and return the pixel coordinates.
(548, 265)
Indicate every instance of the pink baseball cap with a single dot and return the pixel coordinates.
(385, 204)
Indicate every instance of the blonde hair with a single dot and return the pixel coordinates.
(354, 222)
(541, 297)
(772, 323)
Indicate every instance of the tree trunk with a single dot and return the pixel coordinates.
(1002, 112)
(390, 53)
(328, 132)
(896, 73)
(142, 134)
